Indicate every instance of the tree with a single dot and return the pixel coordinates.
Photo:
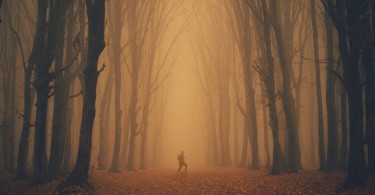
(8, 94)
(96, 16)
(347, 17)
(332, 151)
(118, 22)
(216, 59)
(46, 44)
(268, 78)
(292, 152)
(69, 76)
(61, 95)
(369, 63)
(243, 36)
(28, 99)
(344, 128)
(322, 154)
(138, 31)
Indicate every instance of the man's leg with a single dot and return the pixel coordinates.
(179, 168)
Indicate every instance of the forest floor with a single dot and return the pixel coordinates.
(200, 181)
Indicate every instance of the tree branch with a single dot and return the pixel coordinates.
(337, 75)
(75, 95)
(18, 112)
(20, 45)
(101, 69)
(54, 74)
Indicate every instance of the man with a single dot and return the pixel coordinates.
(181, 161)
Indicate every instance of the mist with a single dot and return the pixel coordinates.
(239, 87)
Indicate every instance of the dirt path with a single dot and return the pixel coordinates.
(201, 181)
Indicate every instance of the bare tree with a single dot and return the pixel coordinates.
(28, 100)
(347, 17)
(332, 150)
(243, 36)
(46, 44)
(96, 16)
(368, 63)
(118, 22)
(322, 154)
(267, 76)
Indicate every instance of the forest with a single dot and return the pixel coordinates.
(244, 96)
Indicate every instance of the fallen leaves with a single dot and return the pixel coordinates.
(200, 181)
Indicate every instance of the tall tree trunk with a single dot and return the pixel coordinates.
(351, 44)
(42, 92)
(351, 41)
(125, 142)
(332, 152)
(68, 126)
(27, 102)
(245, 142)
(59, 108)
(47, 45)
(117, 68)
(224, 123)
(96, 17)
(146, 111)
(68, 84)
(148, 93)
(287, 96)
(277, 156)
(344, 129)
(357, 165)
(253, 134)
(368, 63)
(213, 135)
(322, 154)
(8, 120)
(265, 128)
(12, 103)
(134, 88)
(104, 119)
(235, 132)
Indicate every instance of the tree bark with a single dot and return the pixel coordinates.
(344, 129)
(55, 166)
(42, 63)
(332, 152)
(287, 97)
(117, 30)
(269, 83)
(368, 63)
(134, 87)
(322, 154)
(351, 41)
(28, 99)
(96, 17)
(244, 35)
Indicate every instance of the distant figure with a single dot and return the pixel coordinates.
(181, 161)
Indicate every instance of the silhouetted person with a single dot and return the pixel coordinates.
(181, 161)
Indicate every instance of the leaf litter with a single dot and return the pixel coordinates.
(199, 181)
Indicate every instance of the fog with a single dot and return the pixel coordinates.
(251, 84)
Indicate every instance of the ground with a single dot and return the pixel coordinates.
(200, 181)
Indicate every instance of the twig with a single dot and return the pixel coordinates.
(51, 94)
(20, 45)
(101, 69)
(241, 109)
(57, 72)
(337, 75)
(18, 112)
(75, 95)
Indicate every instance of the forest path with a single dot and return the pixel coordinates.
(200, 181)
